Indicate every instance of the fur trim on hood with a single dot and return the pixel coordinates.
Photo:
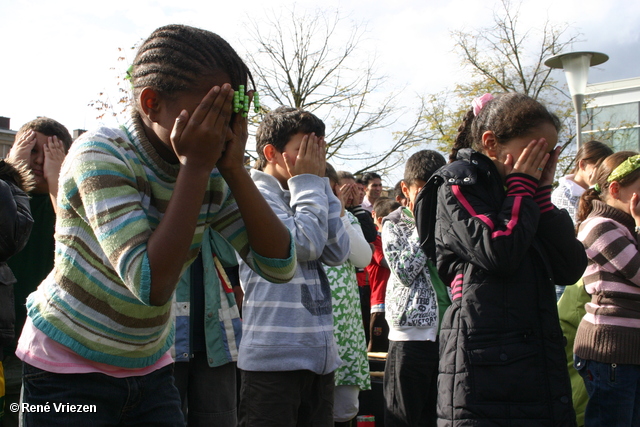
(18, 173)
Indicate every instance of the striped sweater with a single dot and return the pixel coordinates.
(114, 190)
(610, 330)
(289, 326)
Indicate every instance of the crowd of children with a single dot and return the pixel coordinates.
(162, 283)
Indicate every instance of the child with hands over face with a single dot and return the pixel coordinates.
(607, 342)
(43, 153)
(40, 146)
(134, 205)
(501, 246)
(353, 375)
(288, 343)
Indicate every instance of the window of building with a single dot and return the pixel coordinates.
(617, 125)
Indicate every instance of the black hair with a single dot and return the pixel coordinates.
(600, 177)
(331, 173)
(508, 115)
(384, 206)
(49, 127)
(422, 165)
(369, 176)
(397, 191)
(175, 57)
(280, 125)
(592, 152)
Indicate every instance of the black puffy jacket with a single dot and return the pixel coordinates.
(502, 360)
(15, 227)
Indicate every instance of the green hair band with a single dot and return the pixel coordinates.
(625, 168)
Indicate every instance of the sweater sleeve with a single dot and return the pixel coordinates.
(611, 249)
(229, 224)
(101, 188)
(337, 249)
(366, 222)
(360, 254)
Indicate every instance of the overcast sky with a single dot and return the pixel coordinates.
(57, 55)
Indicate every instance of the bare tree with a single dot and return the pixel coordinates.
(115, 101)
(312, 61)
(504, 58)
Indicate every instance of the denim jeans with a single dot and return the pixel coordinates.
(614, 393)
(148, 400)
(208, 394)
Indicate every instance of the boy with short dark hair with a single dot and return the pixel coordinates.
(288, 346)
(378, 272)
(415, 301)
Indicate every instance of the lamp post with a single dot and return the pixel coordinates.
(576, 69)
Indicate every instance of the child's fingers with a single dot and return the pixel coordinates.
(57, 143)
(508, 164)
(202, 110)
(179, 126)
(220, 113)
(304, 146)
(288, 162)
(542, 154)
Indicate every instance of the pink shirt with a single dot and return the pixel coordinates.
(37, 349)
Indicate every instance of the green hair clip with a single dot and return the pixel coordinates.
(241, 101)
(597, 188)
(625, 168)
(129, 76)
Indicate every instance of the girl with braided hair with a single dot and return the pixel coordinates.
(134, 204)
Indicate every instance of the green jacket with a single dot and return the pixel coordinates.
(571, 310)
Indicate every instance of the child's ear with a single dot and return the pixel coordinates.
(269, 152)
(582, 164)
(490, 144)
(614, 190)
(405, 189)
(150, 103)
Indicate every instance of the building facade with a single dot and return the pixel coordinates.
(612, 114)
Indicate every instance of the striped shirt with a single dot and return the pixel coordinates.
(114, 191)
(289, 326)
(610, 330)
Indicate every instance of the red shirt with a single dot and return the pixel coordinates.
(378, 275)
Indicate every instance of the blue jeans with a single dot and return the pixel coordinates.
(614, 393)
(148, 400)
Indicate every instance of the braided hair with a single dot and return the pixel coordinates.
(509, 115)
(175, 57)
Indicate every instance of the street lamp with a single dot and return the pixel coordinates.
(576, 69)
